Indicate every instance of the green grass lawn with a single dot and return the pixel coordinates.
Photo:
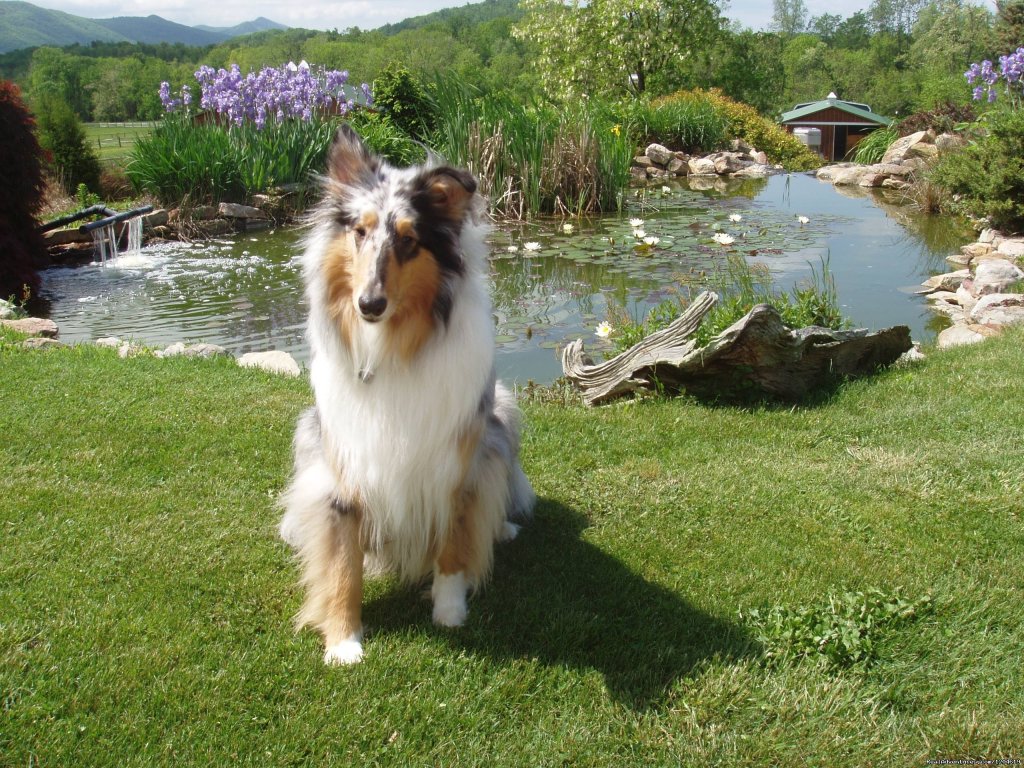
(113, 141)
(146, 604)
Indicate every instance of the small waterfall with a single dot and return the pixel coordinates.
(105, 239)
(134, 227)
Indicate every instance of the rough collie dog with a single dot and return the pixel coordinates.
(409, 459)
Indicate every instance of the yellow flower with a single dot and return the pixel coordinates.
(617, 129)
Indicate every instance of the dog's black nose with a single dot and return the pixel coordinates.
(372, 307)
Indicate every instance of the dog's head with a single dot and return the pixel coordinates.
(395, 250)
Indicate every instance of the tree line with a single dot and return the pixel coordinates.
(899, 56)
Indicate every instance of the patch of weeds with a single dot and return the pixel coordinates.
(842, 632)
(559, 392)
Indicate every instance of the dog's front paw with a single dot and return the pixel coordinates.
(449, 593)
(344, 653)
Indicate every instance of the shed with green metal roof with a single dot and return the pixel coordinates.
(832, 127)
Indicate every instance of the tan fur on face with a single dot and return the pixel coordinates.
(411, 288)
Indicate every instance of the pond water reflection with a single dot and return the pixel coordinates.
(245, 293)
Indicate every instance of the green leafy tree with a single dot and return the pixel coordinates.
(611, 47)
(789, 17)
(54, 74)
(1009, 25)
(747, 67)
(949, 34)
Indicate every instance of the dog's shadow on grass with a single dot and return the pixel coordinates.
(559, 599)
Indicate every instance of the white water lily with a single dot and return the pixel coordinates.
(604, 330)
(639, 234)
(723, 238)
(513, 249)
(651, 240)
(568, 228)
(735, 218)
(803, 220)
(666, 190)
(531, 246)
(636, 223)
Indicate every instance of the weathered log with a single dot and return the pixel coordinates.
(758, 352)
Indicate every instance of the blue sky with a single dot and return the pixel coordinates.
(366, 14)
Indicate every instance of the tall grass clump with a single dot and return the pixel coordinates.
(532, 158)
(741, 286)
(182, 159)
(680, 122)
(872, 147)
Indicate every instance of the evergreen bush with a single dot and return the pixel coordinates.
(72, 160)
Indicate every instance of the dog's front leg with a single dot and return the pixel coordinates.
(334, 579)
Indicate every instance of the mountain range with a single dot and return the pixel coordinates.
(23, 25)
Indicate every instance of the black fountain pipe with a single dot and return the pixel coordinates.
(92, 210)
(115, 219)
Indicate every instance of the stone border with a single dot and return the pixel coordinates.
(975, 297)
(742, 162)
(43, 333)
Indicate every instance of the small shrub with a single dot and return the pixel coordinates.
(61, 134)
(380, 134)
(988, 174)
(404, 100)
(945, 118)
(21, 195)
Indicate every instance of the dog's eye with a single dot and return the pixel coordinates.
(407, 241)
(360, 232)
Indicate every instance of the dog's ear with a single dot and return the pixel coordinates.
(349, 160)
(449, 190)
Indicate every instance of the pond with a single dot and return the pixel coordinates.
(553, 280)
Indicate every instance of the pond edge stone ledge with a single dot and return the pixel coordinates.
(43, 333)
(983, 295)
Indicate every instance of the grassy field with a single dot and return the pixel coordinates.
(836, 585)
(113, 141)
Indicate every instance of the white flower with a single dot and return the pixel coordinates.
(803, 220)
(723, 238)
(513, 249)
(735, 218)
(636, 223)
(531, 246)
(639, 234)
(651, 240)
(568, 228)
(666, 190)
(604, 330)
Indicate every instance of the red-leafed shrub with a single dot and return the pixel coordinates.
(21, 247)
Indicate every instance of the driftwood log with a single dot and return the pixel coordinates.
(757, 352)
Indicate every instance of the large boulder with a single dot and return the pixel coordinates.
(274, 361)
(33, 326)
(995, 276)
(904, 147)
(999, 309)
(659, 154)
(702, 166)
